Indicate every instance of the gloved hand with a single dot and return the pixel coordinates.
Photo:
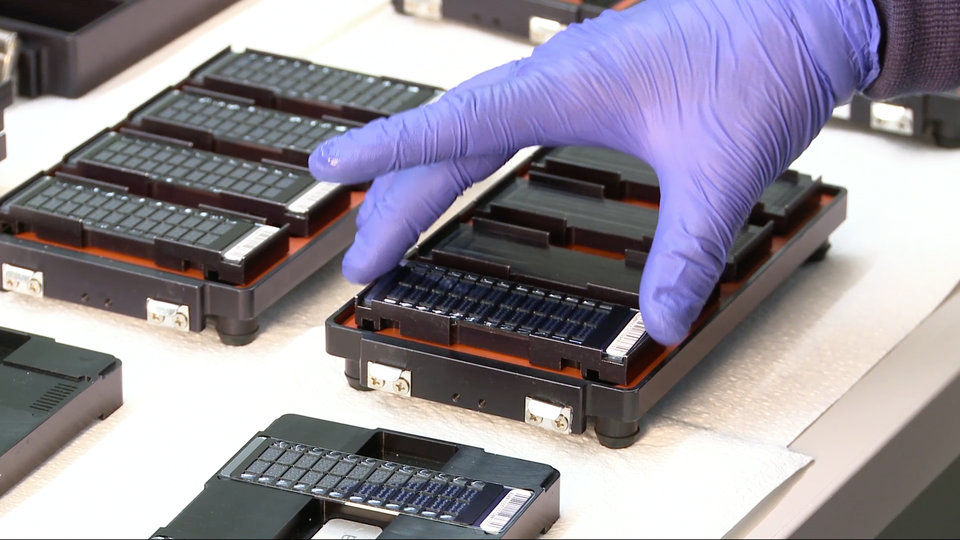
(718, 96)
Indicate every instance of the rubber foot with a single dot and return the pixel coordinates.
(944, 141)
(616, 434)
(355, 384)
(820, 254)
(237, 333)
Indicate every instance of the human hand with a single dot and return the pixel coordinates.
(718, 96)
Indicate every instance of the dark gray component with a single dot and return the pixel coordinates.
(291, 479)
(300, 87)
(269, 146)
(69, 47)
(49, 393)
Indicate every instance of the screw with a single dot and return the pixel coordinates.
(180, 321)
(35, 286)
(534, 418)
(401, 386)
(562, 423)
(376, 383)
(12, 283)
(157, 318)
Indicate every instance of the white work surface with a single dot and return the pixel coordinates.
(715, 449)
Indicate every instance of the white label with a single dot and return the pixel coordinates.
(504, 512)
(629, 336)
(250, 242)
(435, 98)
(310, 197)
(341, 528)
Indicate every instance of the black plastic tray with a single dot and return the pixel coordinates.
(928, 117)
(277, 487)
(78, 265)
(532, 20)
(414, 342)
(69, 47)
(49, 393)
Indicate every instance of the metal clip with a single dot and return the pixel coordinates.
(556, 418)
(168, 315)
(22, 280)
(8, 54)
(543, 29)
(891, 118)
(424, 9)
(389, 379)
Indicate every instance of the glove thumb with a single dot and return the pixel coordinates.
(695, 230)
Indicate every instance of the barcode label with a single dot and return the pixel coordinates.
(313, 195)
(628, 338)
(509, 506)
(250, 242)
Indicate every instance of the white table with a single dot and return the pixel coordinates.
(879, 446)
(181, 387)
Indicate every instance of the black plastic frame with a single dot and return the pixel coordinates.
(491, 387)
(67, 49)
(57, 419)
(231, 509)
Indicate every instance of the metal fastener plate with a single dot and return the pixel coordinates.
(8, 54)
(22, 280)
(842, 112)
(542, 29)
(389, 379)
(891, 118)
(168, 315)
(424, 9)
(556, 418)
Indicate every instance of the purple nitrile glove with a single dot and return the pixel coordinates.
(718, 96)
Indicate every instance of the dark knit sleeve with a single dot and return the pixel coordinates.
(920, 48)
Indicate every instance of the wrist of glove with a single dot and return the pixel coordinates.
(719, 97)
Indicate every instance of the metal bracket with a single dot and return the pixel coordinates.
(9, 49)
(22, 280)
(168, 315)
(543, 29)
(842, 112)
(557, 418)
(891, 118)
(424, 9)
(389, 379)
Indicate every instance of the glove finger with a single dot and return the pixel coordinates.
(497, 119)
(371, 197)
(491, 76)
(501, 73)
(696, 229)
(409, 203)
